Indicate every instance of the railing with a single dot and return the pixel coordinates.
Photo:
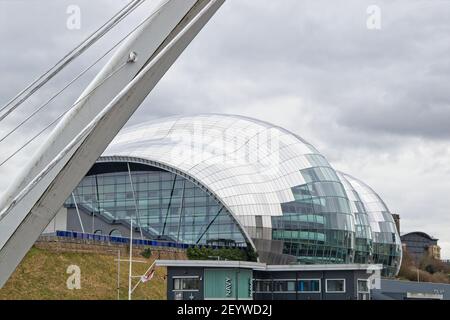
(124, 240)
(113, 239)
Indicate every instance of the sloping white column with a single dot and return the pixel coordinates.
(84, 134)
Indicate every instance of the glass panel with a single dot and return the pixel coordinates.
(283, 286)
(264, 286)
(186, 284)
(336, 285)
(377, 235)
(319, 226)
(179, 212)
(363, 286)
(309, 285)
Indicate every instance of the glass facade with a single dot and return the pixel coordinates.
(363, 236)
(318, 226)
(387, 247)
(290, 203)
(281, 189)
(169, 206)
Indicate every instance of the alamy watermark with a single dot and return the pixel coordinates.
(253, 146)
(74, 17)
(374, 279)
(374, 17)
(74, 280)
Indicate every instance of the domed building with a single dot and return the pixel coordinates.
(233, 181)
(363, 235)
(387, 247)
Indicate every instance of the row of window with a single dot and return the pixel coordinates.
(323, 204)
(186, 284)
(315, 252)
(307, 286)
(280, 286)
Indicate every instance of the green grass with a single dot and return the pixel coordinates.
(42, 276)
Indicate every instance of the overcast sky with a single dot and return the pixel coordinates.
(375, 102)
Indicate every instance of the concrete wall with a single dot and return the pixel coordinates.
(61, 244)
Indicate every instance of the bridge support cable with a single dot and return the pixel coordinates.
(26, 93)
(82, 137)
(145, 40)
(80, 100)
(51, 124)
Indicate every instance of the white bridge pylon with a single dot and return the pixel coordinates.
(85, 132)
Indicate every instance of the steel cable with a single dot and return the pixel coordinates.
(82, 98)
(68, 58)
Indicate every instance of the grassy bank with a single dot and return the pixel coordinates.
(42, 275)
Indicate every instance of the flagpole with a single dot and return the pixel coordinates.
(142, 277)
(118, 274)
(131, 258)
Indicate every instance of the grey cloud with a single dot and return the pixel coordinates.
(376, 103)
(330, 57)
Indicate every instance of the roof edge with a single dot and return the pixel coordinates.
(265, 267)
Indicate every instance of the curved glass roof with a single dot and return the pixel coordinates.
(380, 217)
(249, 164)
(387, 244)
(275, 183)
(363, 241)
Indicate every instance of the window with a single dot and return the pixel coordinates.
(263, 286)
(363, 289)
(308, 286)
(186, 284)
(335, 285)
(363, 286)
(284, 286)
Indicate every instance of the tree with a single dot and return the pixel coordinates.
(428, 270)
(207, 253)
